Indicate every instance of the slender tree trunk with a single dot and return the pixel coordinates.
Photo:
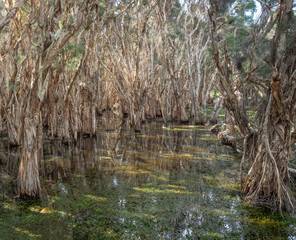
(217, 108)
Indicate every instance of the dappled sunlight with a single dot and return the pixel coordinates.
(163, 191)
(9, 206)
(147, 119)
(28, 233)
(99, 199)
(174, 184)
(177, 156)
(263, 222)
(48, 210)
(56, 159)
(104, 157)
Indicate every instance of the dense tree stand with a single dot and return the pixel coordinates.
(64, 64)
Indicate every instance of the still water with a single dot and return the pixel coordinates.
(174, 182)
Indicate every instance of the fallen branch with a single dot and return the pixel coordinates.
(216, 129)
(226, 139)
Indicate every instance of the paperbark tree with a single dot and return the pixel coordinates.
(32, 127)
(130, 60)
(268, 143)
(29, 78)
(12, 12)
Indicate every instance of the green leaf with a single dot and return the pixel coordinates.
(20, 58)
(12, 86)
(60, 25)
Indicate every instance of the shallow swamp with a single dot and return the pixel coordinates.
(166, 182)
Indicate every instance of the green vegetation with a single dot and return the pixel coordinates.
(155, 200)
(105, 108)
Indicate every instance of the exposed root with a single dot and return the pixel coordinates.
(267, 181)
(243, 160)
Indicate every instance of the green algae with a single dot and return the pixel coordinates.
(28, 223)
(173, 185)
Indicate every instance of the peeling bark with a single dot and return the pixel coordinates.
(267, 182)
(11, 14)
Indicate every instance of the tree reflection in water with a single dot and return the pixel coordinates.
(173, 182)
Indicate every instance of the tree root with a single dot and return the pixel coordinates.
(266, 183)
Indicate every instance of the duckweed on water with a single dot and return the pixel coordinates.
(154, 187)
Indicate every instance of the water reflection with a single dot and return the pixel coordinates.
(174, 182)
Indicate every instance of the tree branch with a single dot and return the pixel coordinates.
(11, 14)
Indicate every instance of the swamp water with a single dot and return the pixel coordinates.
(173, 182)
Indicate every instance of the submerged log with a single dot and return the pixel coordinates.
(224, 136)
(216, 129)
(226, 139)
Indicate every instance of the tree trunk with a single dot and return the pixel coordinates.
(10, 15)
(31, 153)
(217, 108)
(267, 182)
